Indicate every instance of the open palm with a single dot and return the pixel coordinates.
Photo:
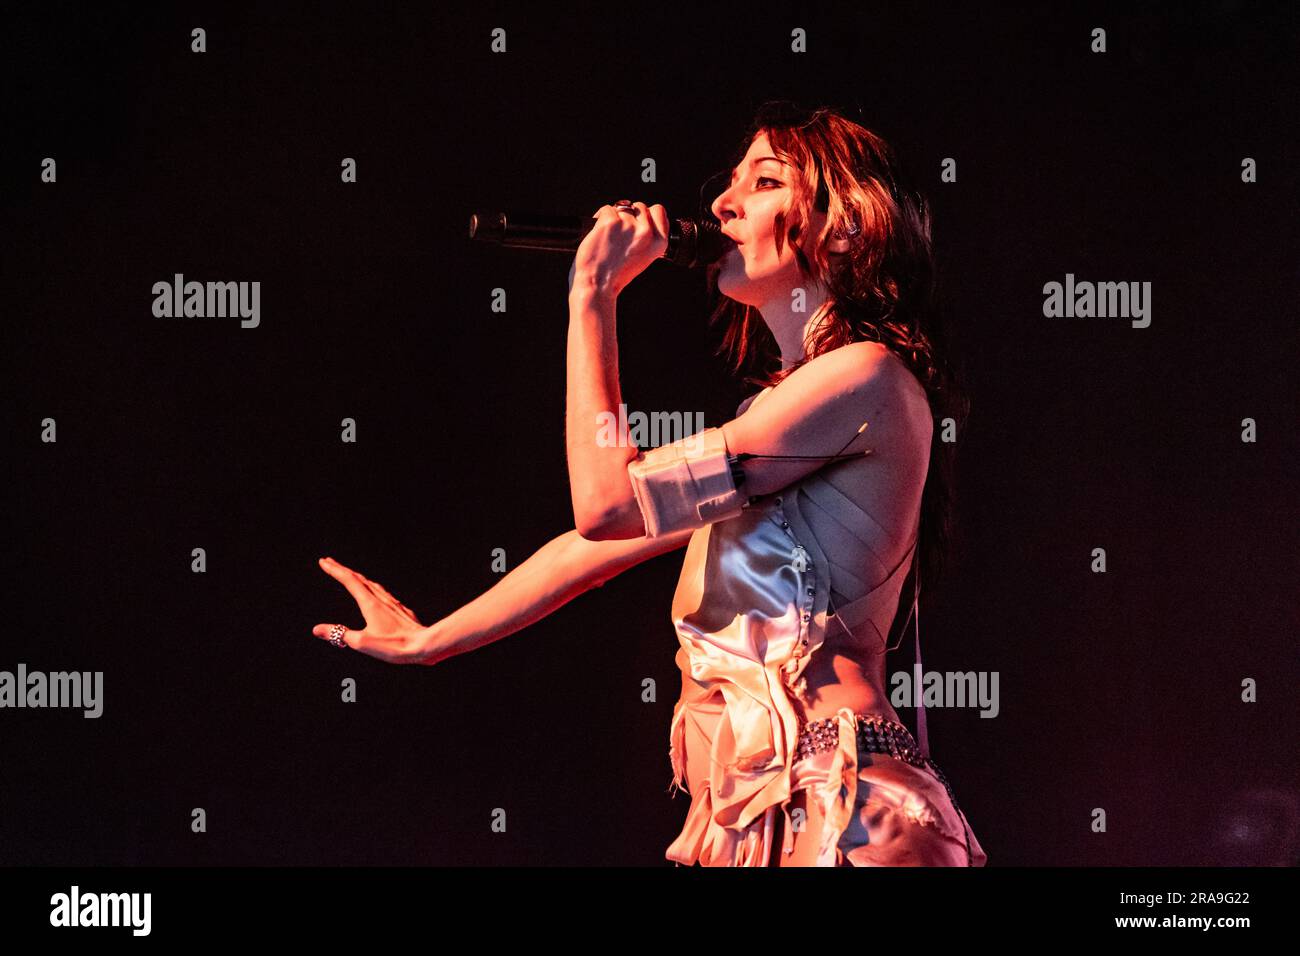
(392, 633)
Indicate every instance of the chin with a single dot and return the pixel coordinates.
(738, 288)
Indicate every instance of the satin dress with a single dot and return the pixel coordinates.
(752, 607)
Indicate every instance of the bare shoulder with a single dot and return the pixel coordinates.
(853, 398)
(900, 422)
(902, 381)
(891, 389)
(744, 406)
(861, 371)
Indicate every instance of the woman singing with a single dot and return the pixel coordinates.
(802, 518)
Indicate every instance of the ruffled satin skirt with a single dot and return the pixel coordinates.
(897, 815)
(902, 815)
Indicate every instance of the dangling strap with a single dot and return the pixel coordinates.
(918, 673)
(922, 737)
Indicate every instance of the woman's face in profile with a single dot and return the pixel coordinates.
(756, 272)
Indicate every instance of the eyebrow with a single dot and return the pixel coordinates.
(761, 159)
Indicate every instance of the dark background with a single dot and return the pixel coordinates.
(1118, 691)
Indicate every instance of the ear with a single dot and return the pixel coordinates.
(840, 243)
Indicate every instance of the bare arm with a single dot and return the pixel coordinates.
(620, 245)
(597, 470)
(814, 411)
(560, 570)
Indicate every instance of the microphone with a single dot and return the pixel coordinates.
(692, 243)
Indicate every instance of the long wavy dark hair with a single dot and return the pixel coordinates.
(885, 289)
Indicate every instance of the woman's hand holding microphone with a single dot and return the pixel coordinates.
(626, 238)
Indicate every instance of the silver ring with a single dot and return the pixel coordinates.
(336, 636)
(624, 204)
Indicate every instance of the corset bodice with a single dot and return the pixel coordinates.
(752, 607)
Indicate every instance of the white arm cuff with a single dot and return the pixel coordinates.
(685, 484)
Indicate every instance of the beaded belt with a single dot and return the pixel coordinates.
(876, 734)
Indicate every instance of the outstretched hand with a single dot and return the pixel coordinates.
(392, 633)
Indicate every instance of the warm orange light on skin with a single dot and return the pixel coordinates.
(757, 272)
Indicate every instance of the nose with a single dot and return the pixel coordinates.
(722, 207)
